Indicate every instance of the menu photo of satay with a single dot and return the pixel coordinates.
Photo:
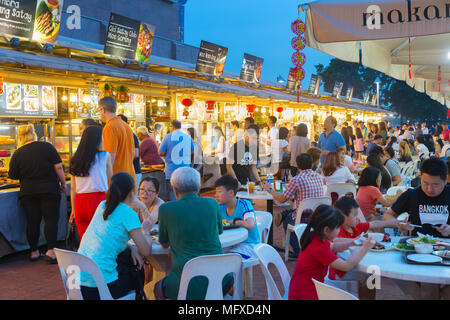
(48, 99)
(13, 96)
(47, 20)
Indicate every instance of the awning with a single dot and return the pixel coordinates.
(12, 58)
(382, 30)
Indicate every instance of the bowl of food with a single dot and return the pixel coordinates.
(378, 237)
(423, 248)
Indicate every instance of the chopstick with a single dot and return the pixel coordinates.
(412, 225)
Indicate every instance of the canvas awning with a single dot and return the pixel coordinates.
(382, 30)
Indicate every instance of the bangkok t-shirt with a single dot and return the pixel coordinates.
(424, 210)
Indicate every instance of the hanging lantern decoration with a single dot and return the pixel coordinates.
(186, 113)
(298, 58)
(279, 110)
(210, 106)
(251, 110)
(1, 84)
(187, 102)
(439, 77)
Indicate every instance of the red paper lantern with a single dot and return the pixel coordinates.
(251, 108)
(298, 74)
(279, 109)
(298, 59)
(187, 102)
(1, 84)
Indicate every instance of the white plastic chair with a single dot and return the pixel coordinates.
(341, 189)
(311, 203)
(326, 292)
(263, 223)
(71, 262)
(299, 229)
(266, 255)
(215, 268)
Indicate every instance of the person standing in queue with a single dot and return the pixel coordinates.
(39, 168)
(136, 160)
(117, 138)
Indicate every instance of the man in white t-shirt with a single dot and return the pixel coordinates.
(424, 128)
(421, 148)
(272, 134)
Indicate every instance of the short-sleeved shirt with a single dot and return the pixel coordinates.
(244, 210)
(242, 157)
(33, 164)
(392, 167)
(136, 161)
(330, 142)
(177, 147)
(103, 240)
(312, 263)
(306, 184)
(118, 139)
(422, 150)
(424, 210)
(191, 225)
(370, 147)
(341, 175)
(446, 134)
(148, 150)
(297, 146)
(367, 199)
(356, 231)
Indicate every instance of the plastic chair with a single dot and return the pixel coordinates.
(67, 260)
(215, 268)
(263, 223)
(393, 190)
(299, 229)
(341, 189)
(266, 255)
(311, 203)
(326, 292)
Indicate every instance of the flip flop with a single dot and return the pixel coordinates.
(35, 258)
(50, 260)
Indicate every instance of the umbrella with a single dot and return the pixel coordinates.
(405, 39)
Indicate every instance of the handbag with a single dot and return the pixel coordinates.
(125, 265)
(73, 238)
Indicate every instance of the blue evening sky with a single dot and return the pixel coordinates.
(258, 27)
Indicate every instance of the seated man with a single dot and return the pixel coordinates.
(427, 205)
(306, 184)
(239, 212)
(191, 226)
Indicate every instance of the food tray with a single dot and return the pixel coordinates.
(444, 263)
(233, 226)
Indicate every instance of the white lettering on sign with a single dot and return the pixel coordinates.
(74, 21)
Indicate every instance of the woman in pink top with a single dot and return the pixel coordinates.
(369, 193)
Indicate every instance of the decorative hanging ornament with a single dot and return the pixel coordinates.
(210, 106)
(1, 84)
(298, 59)
(298, 43)
(298, 27)
(279, 109)
(439, 77)
(410, 73)
(187, 102)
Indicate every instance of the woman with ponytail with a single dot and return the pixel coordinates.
(114, 223)
(318, 253)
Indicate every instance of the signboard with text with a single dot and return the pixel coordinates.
(337, 89)
(314, 84)
(211, 58)
(251, 68)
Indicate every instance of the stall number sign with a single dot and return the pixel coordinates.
(23, 100)
(39, 20)
(129, 39)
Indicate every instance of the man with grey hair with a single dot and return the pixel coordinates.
(191, 226)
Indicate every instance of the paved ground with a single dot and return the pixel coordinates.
(23, 280)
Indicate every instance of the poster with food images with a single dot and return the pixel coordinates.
(251, 68)
(48, 101)
(145, 42)
(47, 20)
(17, 18)
(211, 58)
(139, 106)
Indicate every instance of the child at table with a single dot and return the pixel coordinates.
(369, 193)
(318, 253)
(238, 212)
(351, 229)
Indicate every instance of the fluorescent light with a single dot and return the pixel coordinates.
(448, 55)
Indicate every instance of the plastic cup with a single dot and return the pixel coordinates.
(251, 187)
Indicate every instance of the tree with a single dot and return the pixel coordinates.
(395, 95)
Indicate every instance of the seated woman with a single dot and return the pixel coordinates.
(369, 193)
(334, 171)
(374, 160)
(106, 238)
(148, 194)
(404, 152)
(391, 164)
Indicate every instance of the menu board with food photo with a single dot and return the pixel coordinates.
(17, 18)
(48, 100)
(145, 42)
(88, 104)
(22, 100)
(251, 68)
(211, 58)
(139, 106)
(47, 20)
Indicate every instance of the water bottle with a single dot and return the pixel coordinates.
(282, 186)
(408, 181)
(270, 180)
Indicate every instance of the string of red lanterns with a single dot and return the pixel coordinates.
(298, 58)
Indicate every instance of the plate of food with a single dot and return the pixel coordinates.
(424, 258)
(403, 247)
(226, 225)
(30, 105)
(145, 42)
(381, 247)
(424, 239)
(12, 96)
(31, 91)
(444, 254)
(48, 102)
(47, 21)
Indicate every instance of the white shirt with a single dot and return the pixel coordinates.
(277, 150)
(425, 130)
(341, 175)
(272, 135)
(422, 150)
(97, 181)
(348, 161)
